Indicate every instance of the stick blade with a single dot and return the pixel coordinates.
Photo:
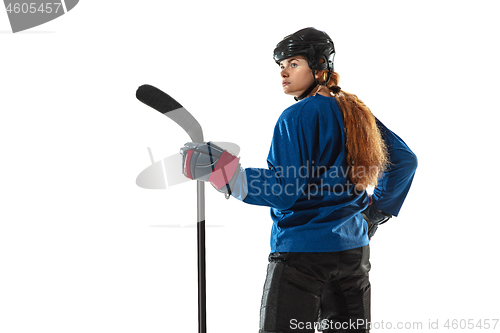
(156, 99)
(163, 103)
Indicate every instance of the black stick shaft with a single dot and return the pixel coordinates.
(200, 226)
(202, 297)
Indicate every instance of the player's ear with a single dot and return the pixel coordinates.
(320, 74)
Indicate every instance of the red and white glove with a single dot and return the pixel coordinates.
(211, 163)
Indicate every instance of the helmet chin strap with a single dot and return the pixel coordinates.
(307, 92)
(313, 85)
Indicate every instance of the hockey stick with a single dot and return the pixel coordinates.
(166, 105)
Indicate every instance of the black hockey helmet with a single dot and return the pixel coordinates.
(315, 46)
(311, 43)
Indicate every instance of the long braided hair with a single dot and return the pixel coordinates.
(366, 151)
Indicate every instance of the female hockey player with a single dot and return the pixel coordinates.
(326, 150)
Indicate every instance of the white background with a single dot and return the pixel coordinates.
(83, 249)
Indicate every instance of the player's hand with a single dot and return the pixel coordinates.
(374, 218)
(211, 163)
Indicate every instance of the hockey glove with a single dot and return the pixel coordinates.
(211, 163)
(374, 218)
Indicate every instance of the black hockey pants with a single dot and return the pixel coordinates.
(329, 291)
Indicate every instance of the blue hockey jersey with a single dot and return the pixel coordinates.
(314, 205)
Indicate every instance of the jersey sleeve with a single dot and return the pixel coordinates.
(393, 187)
(286, 178)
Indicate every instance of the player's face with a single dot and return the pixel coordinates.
(296, 75)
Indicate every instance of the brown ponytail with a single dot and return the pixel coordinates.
(366, 151)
